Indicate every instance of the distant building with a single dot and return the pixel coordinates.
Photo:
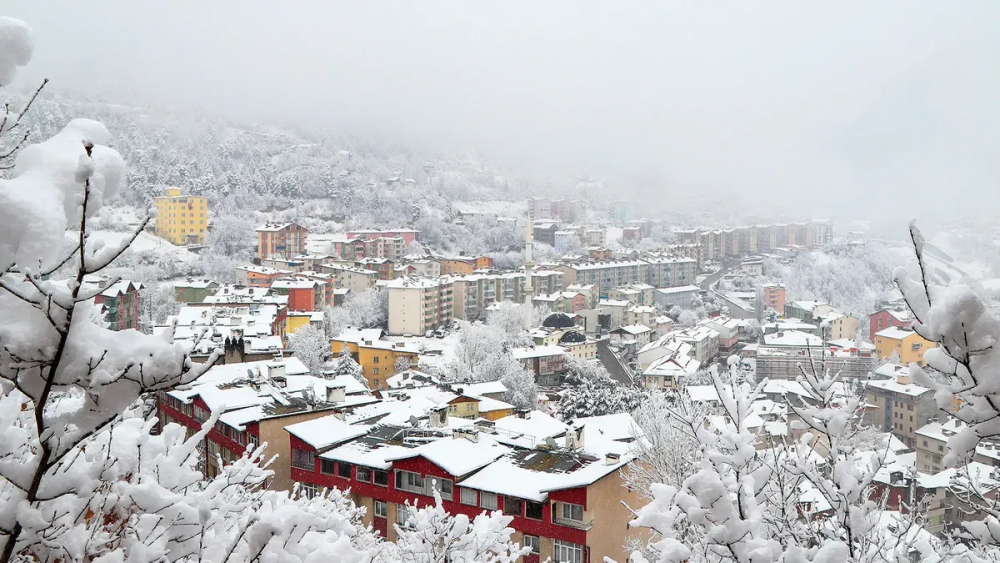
(774, 297)
(281, 240)
(667, 297)
(377, 357)
(899, 406)
(904, 343)
(181, 219)
(546, 362)
(120, 302)
(193, 290)
(417, 305)
(889, 317)
(409, 236)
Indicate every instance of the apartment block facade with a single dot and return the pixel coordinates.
(417, 305)
(281, 240)
(181, 219)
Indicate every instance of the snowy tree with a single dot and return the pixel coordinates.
(669, 450)
(82, 476)
(482, 354)
(312, 346)
(345, 364)
(432, 535)
(599, 397)
(368, 309)
(579, 371)
(511, 319)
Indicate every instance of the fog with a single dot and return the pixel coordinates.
(852, 109)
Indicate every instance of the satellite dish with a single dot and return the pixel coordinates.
(551, 443)
(249, 372)
(414, 421)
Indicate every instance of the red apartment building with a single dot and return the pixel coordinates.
(886, 318)
(409, 236)
(554, 494)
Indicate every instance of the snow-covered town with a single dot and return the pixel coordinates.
(228, 334)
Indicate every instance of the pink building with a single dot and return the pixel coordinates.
(886, 318)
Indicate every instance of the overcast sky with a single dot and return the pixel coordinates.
(852, 105)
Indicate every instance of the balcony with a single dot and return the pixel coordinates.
(577, 524)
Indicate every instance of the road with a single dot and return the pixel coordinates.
(610, 362)
(706, 283)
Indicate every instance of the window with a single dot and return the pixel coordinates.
(909, 406)
(488, 500)
(381, 478)
(533, 510)
(303, 459)
(925, 443)
(401, 514)
(469, 497)
(534, 543)
(363, 474)
(571, 512)
(375, 360)
(344, 470)
(511, 506)
(409, 481)
(444, 486)
(566, 552)
(381, 509)
(940, 448)
(200, 414)
(308, 490)
(374, 371)
(326, 466)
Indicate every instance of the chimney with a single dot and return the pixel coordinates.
(336, 394)
(903, 378)
(611, 458)
(438, 417)
(574, 437)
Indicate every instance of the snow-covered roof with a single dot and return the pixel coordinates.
(537, 352)
(674, 365)
(895, 386)
(940, 431)
(616, 427)
(529, 431)
(326, 431)
(678, 289)
(413, 283)
(457, 456)
(201, 283)
(634, 330)
(792, 338)
(895, 333)
(479, 389)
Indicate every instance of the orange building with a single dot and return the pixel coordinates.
(378, 358)
(464, 265)
(774, 297)
(259, 276)
(281, 240)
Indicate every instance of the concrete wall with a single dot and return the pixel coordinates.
(610, 532)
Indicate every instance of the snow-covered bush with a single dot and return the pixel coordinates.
(599, 397)
(312, 346)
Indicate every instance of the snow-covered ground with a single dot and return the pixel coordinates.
(144, 242)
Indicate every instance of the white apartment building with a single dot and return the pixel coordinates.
(417, 305)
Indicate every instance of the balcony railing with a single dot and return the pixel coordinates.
(578, 524)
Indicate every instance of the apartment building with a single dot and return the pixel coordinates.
(904, 343)
(281, 240)
(417, 305)
(546, 362)
(889, 317)
(898, 405)
(378, 358)
(181, 219)
(605, 275)
(119, 302)
(358, 280)
(774, 296)
(565, 493)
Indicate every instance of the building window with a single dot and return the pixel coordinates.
(571, 512)
(308, 490)
(940, 448)
(469, 497)
(381, 478)
(511, 506)
(534, 543)
(409, 481)
(303, 459)
(533, 510)
(375, 360)
(326, 466)
(401, 514)
(925, 443)
(363, 474)
(488, 500)
(444, 486)
(381, 509)
(566, 552)
(344, 470)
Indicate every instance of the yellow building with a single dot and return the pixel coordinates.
(298, 319)
(181, 219)
(904, 342)
(377, 358)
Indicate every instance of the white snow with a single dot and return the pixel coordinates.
(326, 431)
(16, 47)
